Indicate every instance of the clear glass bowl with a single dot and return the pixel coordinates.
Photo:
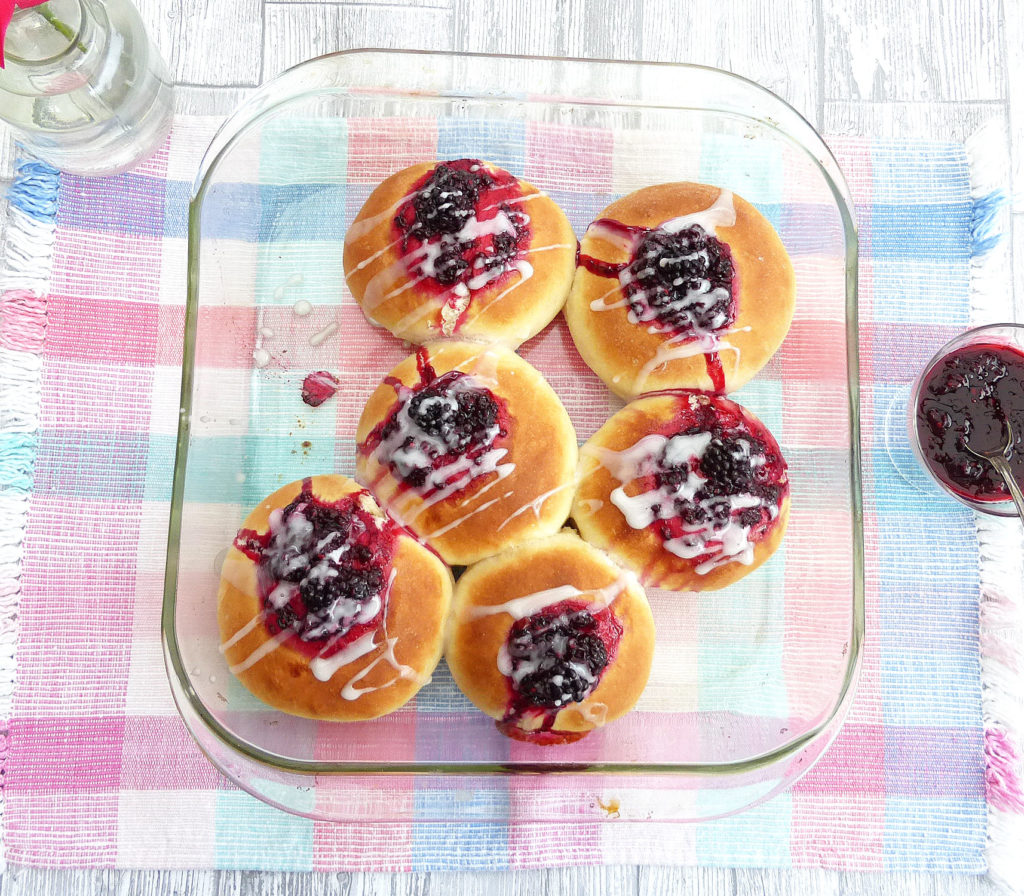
(749, 684)
(1009, 335)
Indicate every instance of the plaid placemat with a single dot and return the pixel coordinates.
(99, 770)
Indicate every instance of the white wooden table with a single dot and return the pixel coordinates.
(901, 68)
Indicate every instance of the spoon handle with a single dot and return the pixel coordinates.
(1003, 468)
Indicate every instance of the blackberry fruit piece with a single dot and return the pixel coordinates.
(444, 203)
(555, 647)
(433, 410)
(450, 265)
(321, 593)
(672, 272)
(554, 687)
(726, 473)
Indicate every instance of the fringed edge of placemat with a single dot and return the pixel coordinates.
(24, 285)
(1000, 541)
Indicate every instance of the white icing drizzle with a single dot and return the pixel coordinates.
(466, 471)
(460, 520)
(525, 270)
(324, 334)
(685, 345)
(359, 229)
(261, 357)
(618, 239)
(724, 542)
(409, 448)
(601, 303)
(324, 668)
(407, 323)
(537, 504)
(530, 604)
(551, 247)
(379, 289)
(351, 692)
(267, 647)
(242, 632)
(721, 213)
(294, 280)
(387, 283)
(302, 308)
(595, 713)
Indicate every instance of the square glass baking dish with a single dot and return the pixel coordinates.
(749, 684)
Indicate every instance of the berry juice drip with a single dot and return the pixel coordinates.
(970, 395)
(715, 371)
(554, 658)
(679, 280)
(321, 569)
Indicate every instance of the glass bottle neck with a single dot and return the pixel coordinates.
(48, 43)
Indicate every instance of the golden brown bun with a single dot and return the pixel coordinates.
(417, 608)
(508, 310)
(625, 355)
(487, 515)
(527, 569)
(602, 523)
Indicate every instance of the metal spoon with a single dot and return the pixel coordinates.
(997, 457)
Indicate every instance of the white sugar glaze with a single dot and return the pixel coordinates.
(325, 668)
(530, 604)
(242, 632)
(266, 648)
(537, 504)
(458, 521)
(324, 334)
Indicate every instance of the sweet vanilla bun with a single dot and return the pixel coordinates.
(327, 609)
(470, 448)
(680, 286)
(687, 489)
(460, 249)
(551, 638)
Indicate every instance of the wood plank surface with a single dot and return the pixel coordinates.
(931, 50)
(935, 68)
(774, 44)
(206, 42)
(298, 31)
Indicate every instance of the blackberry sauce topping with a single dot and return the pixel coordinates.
(970, 394)
(681, 282)
(441, 434)
(322, 568)
(461, 226)
(556, 657)
(710, 488)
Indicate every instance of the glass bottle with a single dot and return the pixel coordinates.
(84, 88)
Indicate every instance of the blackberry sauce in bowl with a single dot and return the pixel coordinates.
(967, 394)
